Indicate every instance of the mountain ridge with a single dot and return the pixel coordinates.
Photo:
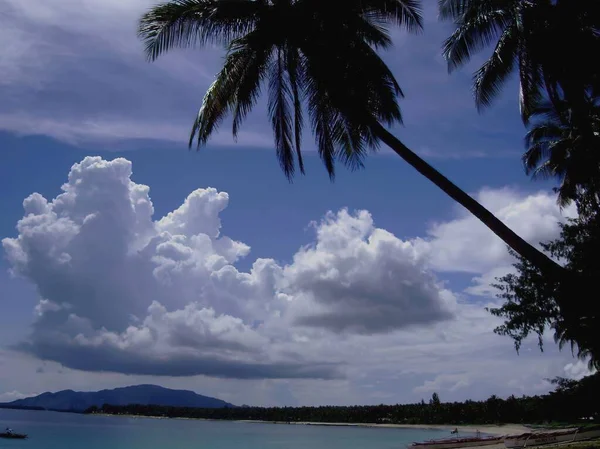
(145, 394)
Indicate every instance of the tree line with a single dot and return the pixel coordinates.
(570, 402)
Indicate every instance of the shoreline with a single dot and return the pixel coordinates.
(490, 429)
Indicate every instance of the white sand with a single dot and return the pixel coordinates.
(506, 429)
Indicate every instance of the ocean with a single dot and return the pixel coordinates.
(51, 430)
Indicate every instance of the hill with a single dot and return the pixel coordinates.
(69, 400)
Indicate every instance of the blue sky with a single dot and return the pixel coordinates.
(255, 313)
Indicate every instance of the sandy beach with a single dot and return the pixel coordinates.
(506, 429)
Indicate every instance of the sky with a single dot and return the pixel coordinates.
(128, 259)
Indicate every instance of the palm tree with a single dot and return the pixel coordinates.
(556, 148)
(540, 39)
(571, 76)
(512, 25)
(315, 56)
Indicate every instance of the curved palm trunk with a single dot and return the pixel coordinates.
(528, 251)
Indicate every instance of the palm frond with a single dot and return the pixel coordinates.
(489, 79)
(295, 69)
(380, 89)
(352, 142)
(555, 148)
(280, 97)
(360, 19)
(554, 161)
(566, 192)
(404, 13)
(328, 65)
(221, 95)
(453, 9)
(473, 35)
(337, 135)
(531, 84)
(369, 28)
(322, 118)
(375, 87)
(359, 89)
(560, 155)
(543, 132)
(248, 88)
(543, 171)
(185, 23)
(533, 156)
(556, 113)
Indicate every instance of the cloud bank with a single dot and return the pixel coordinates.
(122, 292)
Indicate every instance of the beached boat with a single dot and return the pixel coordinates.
(458, 442)
(556, 436)
(13, 436)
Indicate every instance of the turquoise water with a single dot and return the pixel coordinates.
(50, 430)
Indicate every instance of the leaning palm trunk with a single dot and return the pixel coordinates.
(311, 53)
(314, 56)
(518, 244)
(572, 287)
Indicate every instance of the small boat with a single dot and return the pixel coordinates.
(548, 437)
(458, 442)
(13, 436)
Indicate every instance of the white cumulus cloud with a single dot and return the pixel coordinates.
(121, 291)
(364, 279)
(467, 245)
(578, 370)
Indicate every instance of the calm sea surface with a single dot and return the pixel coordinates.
(49, 430)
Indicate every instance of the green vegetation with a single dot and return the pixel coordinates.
(568, 403)
(556, 149)
(531, 299)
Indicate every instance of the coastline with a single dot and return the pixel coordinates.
(489, 429)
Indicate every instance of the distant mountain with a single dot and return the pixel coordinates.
(69, 400)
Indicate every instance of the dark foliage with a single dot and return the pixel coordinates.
(541, 40)
(531, 299)
(570, 402)
(310, 56)
(558, 147)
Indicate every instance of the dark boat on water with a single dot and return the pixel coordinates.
(9, 434)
